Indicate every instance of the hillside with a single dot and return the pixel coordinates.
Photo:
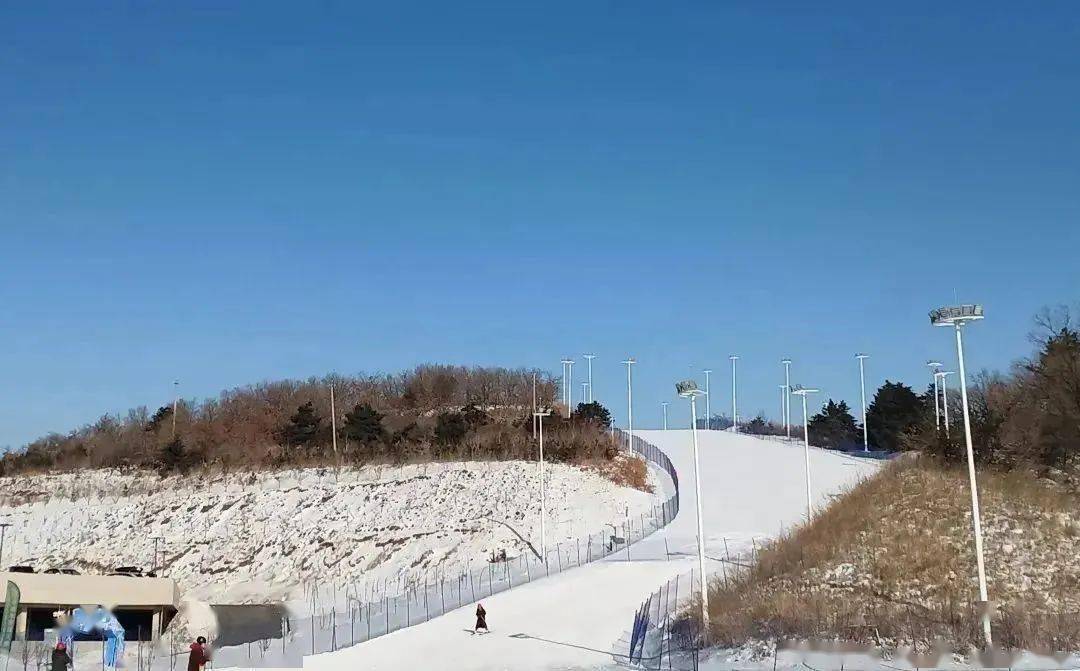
(892, 565)
(260, 537)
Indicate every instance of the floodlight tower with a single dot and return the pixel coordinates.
(934, 366)
(783, 400)
(734, 395)
(708, 398)
(943, 375)
(688, 389)
(956, 316)
(665, 405)
(787, 400)
(584, 391)
(540, 415)
(800, 390)
(589, 358)
(568, 383)
(862, 387)
(629, 362)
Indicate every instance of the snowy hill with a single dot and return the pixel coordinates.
(752, 488)
(303, 536)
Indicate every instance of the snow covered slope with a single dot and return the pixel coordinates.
(751, 488)
(272, 536)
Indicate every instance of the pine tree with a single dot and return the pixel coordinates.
(895, 411)
(592, 412)
(364, 425)
(834, 427)
(303, 427)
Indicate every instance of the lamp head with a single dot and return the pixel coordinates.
(952, 315)
(688, 389)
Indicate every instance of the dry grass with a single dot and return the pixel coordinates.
(625, 471)
(892, 563)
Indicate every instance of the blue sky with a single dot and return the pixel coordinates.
(278, 190)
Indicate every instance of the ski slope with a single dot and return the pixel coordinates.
(752, 488)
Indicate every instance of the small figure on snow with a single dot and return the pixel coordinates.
(61, 660)
(199, 655)
(481, 619)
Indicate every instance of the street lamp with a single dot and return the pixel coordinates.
(956, 316)
(708, 398)
(945, 396)
(934, 366)
(800, 390)
(665, 405)
(589, 358)
(568, 383)
(629, 361)
(862, 387)
(734, 403)
(540, 415)
(787, 401)
(688, 389)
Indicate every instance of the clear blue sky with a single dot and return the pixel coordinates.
(281, 190)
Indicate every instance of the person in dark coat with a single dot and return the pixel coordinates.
(61, 660)
(481, 618)
(199, 655)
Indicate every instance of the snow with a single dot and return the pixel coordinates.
(306, 537)
(752, 488)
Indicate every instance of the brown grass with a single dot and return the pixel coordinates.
(892, 563)
(625, 471)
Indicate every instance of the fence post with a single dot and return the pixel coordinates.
(558, 551)
(509, 582)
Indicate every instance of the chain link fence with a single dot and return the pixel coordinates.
(364, 619)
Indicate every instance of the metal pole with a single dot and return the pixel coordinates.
(543, 496)
(945, 400)
(734, 392)
(175, 401)
(700, 522)
(584, 389)
(630, 403)
(975, 517)
(3, 532)
(665, 405)
(534, 404)
(937, 394)
(787, 399)
(589, 358)
(333, 417)
(806, 450)
(569, 385)
(708, 404)
(862, 387)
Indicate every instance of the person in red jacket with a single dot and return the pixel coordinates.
(199, 655)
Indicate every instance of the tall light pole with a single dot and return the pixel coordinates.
(534, 404)
(589, 358)
(568, 383)
(333, 418)
(934, 366)
(175, 402)
(540, 415)
(665, 405)
(942, 375)
(708, 398)
(800, 390)
(630, 361)
(688, 389)
(584, 391)
(862, 388)
(957, 316)
(787, 401)
(783, 400)
(734, 395)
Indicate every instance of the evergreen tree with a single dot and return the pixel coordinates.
(363, 424)
(450, 428)
(1055, 390)
(162, 413)
(592, 412)
(895, 411)
(834, 427)
(173, 456)
(303, 427)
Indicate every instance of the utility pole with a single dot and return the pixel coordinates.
(862, 387)
(175, 402)
(956, 316)
(589, 358)
(630, 361)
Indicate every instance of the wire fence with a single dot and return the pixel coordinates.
(662, 635)
(361, 619)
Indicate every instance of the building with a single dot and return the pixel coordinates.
(143, 606)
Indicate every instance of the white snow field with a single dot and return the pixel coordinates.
(307, 537)
(579, 619)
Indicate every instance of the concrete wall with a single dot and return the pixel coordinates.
(97, 590)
